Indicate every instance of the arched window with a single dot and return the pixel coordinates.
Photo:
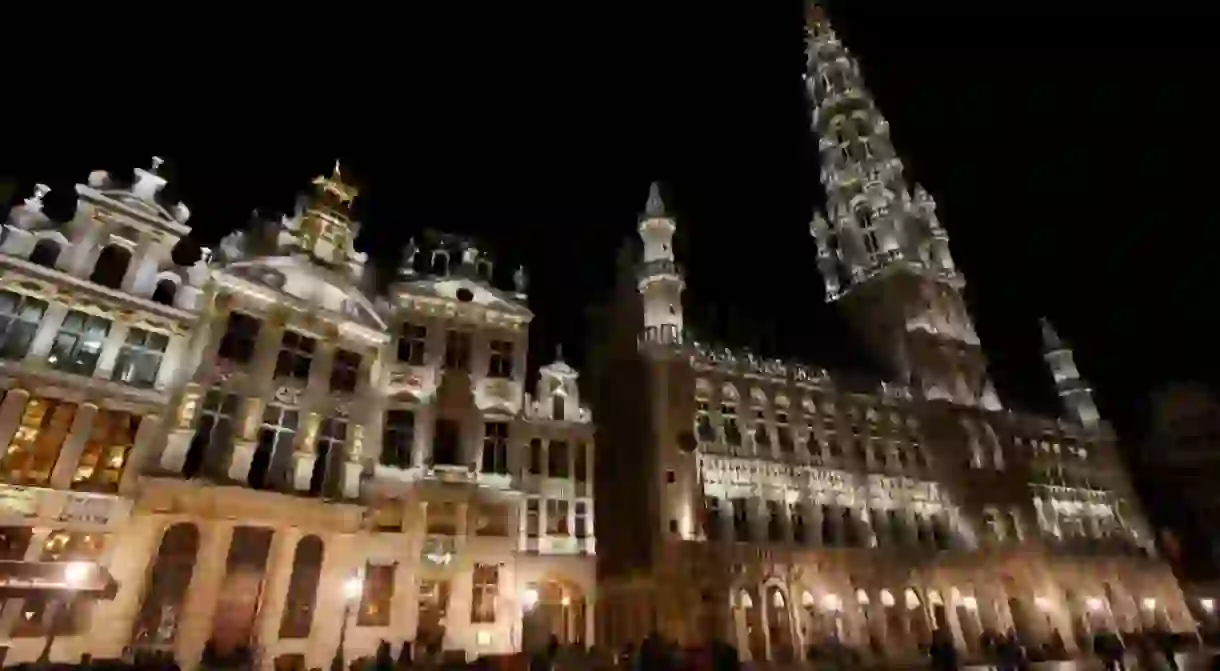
(164, 597)
(165, 292)
(111, 266)
(45, 253)
(557, 402)
(302, 589)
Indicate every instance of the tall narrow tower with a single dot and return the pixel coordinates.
(660, 279)
(1075, 392)
(881, 251)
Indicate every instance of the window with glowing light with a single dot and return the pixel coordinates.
(484, 589)
(377, 596)
(105, 455)
(36, 445)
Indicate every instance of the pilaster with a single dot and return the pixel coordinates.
(73, 446)
(11, 411)
(133, 552)
(142, 447)
(110, 350)
(280, 563)
(172, 361)
(48, 328)
(199, 606)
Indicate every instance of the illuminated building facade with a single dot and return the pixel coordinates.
(241, 440)
(782, 507)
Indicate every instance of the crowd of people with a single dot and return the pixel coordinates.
(1150, 650)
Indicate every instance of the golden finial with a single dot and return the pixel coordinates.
(335, 187)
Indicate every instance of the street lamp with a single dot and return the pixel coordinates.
(75, 575)
(353, 588)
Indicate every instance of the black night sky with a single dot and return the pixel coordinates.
(1070, 157)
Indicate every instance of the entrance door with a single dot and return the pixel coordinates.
(433, 606)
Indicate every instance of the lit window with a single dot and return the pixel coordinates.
(377, 597)
(78, 345)
(557, 517)
(140, 358)
(19, 319)
(35, 447)
(105, 455)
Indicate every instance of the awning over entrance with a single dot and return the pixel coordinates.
(21, 579)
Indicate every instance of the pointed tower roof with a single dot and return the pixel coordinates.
(655, 207)
(1050, 339)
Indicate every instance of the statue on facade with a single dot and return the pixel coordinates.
(406, 266)
(520, 281)
(232, 247)
(470, 256)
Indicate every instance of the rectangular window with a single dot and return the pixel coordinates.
(557, 517)
(139, 359)
(377, 597)
(329, 454)
(491, 520)
(711, 518)
(274, 447)
(241, 335)
(214, 435)
(741, 519)
(412, 344)
(35, 446)
(535, 456)
(486, 585)
(531, 517)
(581, 465)
(79, 343)
(457, 350)
(495, 448)
(19, 319)
(296, 356)
(557, 460)
(398, 438)
(580, 521)
(442, 518)
(345, 371)
(447, 443)
(105, 455)
(501, 363)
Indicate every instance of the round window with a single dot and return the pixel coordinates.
(465, 295)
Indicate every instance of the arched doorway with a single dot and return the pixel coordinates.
(552, 609)
(779, 625)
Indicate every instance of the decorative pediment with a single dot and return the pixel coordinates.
(465, 291)
(314, 287)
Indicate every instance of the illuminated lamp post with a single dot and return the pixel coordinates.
(353, 588)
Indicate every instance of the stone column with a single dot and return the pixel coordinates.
(48, 328)
(199, 606)
(173, 360)
(344, 557)
(275, 587)
(352, 464)
(303, 457)
(142, 445)
(12, 607)
(73, 446)
(245, 441)
(133, 551)
(110, 350)
(11, 411)
(404, 607)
